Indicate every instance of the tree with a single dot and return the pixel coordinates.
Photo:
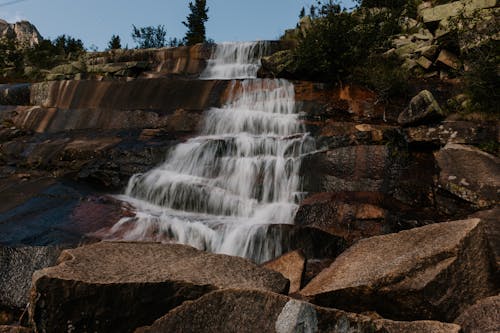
(114, 43)
(149, 37)
(302, 13)
(196, 22)
(68, 46)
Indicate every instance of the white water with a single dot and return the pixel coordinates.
(221, 190)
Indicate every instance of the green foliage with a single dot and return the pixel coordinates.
(68, 46)
(384, 76)
(339, 41)
(196, 23)
(114, 43)
(10, 54)
(149, 37)
(482, 80)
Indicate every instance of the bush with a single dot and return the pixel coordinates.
(338, 41)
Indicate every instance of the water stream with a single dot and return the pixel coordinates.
(221, 190)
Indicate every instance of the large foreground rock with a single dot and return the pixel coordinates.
(470, 174)
(16, 268)
(116, 287)
(482, 317)
(432, 272)
(292, 265)
(422, 107)
(256, 311)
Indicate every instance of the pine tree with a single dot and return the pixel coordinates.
(114, 43)
(196, 22)
(302, 13)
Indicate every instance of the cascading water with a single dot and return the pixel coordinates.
(220, 191)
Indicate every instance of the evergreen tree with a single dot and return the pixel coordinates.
(196, 22)
(302, 13)
(114, 43)
(149, 37)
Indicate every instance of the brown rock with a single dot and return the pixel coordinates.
(116, 287)
(449, 59)
(410, 275)
(422, 107)
(482, 317)
(424, 62)
(256, 311)
(291, 265)
(469, 174)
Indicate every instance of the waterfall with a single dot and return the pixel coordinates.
(220, 191)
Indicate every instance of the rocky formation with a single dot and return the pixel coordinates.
(23, 32)
(422, 107)
(241, 311)
(482, 317)
(432, 272)
(114, 287)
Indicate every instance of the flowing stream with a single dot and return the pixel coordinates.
(220, 191)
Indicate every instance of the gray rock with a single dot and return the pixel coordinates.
(470, 174)
(243, 311)
(451, 9)
(16, 268)
(422, 107)
(116, 287)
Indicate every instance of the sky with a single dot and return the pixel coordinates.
(95, 21)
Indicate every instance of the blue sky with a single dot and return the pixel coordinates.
(94, 21)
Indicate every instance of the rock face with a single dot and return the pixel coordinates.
(445, 11)
(469, 174)
(432, 272)
(257, 311)
(292, 266)
(17, 265)
(422, 107)
(482, 317)
(24, 32)
(116, 287)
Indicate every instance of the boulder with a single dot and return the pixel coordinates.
(256, 311)
(422, 107)
(449, 59)
(279, 64)
(14, 329)
(482, 317)
(470, 174)
(116, 287)
(424, 62)
(15, 94)
(291, 265)
(17, 265)
(432, 272)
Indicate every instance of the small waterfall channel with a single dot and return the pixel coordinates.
(221, 190)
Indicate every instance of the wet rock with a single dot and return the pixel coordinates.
(115, 287)
(291, 265)
(16, 268)
(257, 311)
(469, 174)
(414, 274)
(482, 317)
(422, 107)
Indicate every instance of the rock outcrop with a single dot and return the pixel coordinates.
(482, 317)
(422, 107)
(25, 33)
(116, 287)
(256, 311)
(432, 272)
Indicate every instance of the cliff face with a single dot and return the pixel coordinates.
(25, 33)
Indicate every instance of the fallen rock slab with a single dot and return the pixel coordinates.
(422, 107)
(482, 317)
(469, 174)
(292, 266)
(17, 265)
(432, 272)
(116, 287)
(256, 311)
